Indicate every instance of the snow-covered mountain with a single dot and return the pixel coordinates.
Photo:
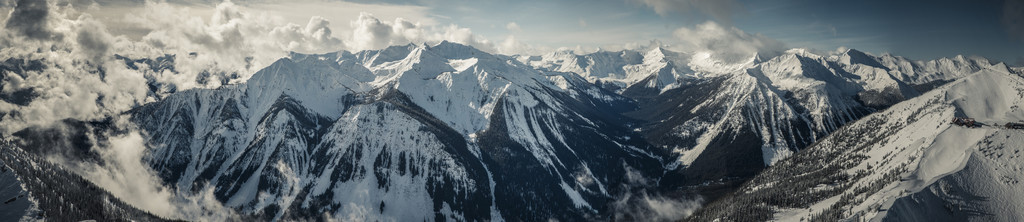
(655, 68)
(727, 122)
(449, 132)
(907, 163)
(470, 132)
(412, 132)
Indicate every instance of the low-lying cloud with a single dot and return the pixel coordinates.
(30, 18)
(729, 44)
(645, 206)
(639, 203)
(119, 169)
(372, 33)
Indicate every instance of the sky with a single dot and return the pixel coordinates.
(916, 29)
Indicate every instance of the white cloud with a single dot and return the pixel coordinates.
(92, 39)
(649, 207)
(71, 73)
(126, 177)
(640, 205)
(729, 44)
(462, 35)
(513, 27)
(31, 18)
(316, 36)
(372, 33)
(298, 11)
(232, 41)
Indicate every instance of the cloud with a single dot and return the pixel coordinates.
(462, 35)
(316, 36)
(513, 27)
(1013, 18)
(638, 204)
(722, 10)
(372, 33)
(30, 18)
(70, 71)
(729, 44)
(124, 174)
(228, 47)
(645, 206)
(93, 41)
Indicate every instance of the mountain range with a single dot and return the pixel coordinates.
(449, 132)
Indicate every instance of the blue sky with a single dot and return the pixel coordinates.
(915, 29)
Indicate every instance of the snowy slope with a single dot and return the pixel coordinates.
(864, 168)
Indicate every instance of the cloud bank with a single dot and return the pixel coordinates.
(372, 33)
(63, 63)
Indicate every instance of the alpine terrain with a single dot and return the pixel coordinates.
(449, 132)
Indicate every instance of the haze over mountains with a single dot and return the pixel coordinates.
(101, 127)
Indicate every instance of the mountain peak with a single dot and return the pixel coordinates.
(853, 56)
(454, 50)
(802, 52)
(756, 58)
